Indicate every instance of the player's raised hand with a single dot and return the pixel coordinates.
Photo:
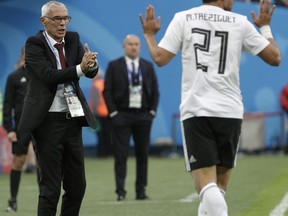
(265, 13)
(150, 25)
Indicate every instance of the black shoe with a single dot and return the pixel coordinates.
(121, 198)
(142, 197)
(12, 206)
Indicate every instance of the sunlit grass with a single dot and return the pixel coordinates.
(257, 185)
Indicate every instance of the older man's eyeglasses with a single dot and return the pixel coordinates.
(58, 19)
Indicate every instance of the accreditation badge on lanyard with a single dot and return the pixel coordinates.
(74, 105)
(135, 96)
(135, 91)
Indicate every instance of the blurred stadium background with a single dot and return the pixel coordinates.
(103, 24)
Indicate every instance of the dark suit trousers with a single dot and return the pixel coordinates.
(124, 124)
(104, 137)
(60, 159)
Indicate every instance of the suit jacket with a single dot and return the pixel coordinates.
(43, 78)
(116, 88)
(15, 91)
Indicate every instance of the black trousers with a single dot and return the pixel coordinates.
(104, 137)
(61, 161)
(124, 124)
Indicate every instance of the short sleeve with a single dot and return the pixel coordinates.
(172, 39)
(253, 42)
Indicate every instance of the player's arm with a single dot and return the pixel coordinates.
(150, 27)
(271, 53)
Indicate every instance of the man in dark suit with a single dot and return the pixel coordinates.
(131, 94)
(55, 109)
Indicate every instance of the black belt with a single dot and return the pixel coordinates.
(60, 115)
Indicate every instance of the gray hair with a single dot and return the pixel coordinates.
(47, 6)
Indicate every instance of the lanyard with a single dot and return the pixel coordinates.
(53, 49)
(49, 43)
(130, 76)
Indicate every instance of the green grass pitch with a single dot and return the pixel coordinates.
(257, 185)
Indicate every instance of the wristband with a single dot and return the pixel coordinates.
(266, 31)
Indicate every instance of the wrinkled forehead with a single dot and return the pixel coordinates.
(58, 11)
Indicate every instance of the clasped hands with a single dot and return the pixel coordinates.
(89, 60)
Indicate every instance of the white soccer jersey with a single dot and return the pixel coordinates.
(211, 40)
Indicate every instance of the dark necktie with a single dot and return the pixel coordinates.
(59, 47)
(135, 78)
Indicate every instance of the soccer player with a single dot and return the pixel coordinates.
(15, 90)
(211, 39)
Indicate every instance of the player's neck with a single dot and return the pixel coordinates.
(216, 3)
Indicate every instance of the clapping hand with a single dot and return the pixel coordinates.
(89, 60)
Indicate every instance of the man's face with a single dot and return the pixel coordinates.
(132, 46)
(56, 29)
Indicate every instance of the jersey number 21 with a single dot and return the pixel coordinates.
(206, 45)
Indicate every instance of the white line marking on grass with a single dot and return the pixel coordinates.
(190, 198)
(131, 202)
(281, 208)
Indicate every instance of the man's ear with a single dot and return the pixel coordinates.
(43, 21)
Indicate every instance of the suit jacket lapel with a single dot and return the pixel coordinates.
(69, 58)
(143, 70)
(51, 54)
(123, 69)
(68, 53)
